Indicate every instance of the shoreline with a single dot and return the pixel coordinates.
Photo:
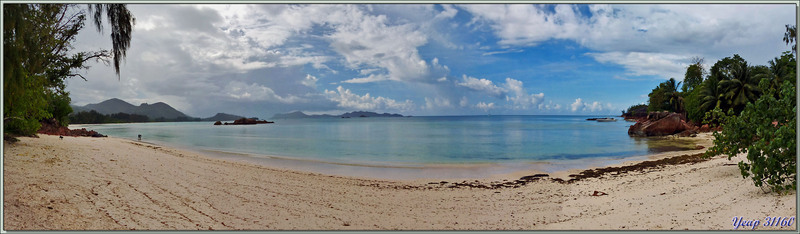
(441, 171)
(79, 183)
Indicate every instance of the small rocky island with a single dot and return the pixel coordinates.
(244, 121)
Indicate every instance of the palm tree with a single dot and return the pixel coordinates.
(741, 88)
(121, 21)
(711, 94)
(781, 69)
(675, 100)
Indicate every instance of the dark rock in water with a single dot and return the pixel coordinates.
(660, 124)
(218, 123)
(247, 121)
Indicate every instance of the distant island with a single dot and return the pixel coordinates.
(244, 121)
(118, 111)
(354, 114)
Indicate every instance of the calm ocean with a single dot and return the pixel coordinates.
(407, 141)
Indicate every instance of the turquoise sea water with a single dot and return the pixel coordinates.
(407, 141)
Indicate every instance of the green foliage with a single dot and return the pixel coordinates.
(37, 58)
(710, 96)
(93, 117)
(666, 97)
(89, 117)
(736, 84)
(741, 87)
(765, 131)
(781, 69)
(58, 105)
(790, 37)
(693, 101)
(638, 110)
(694, 75)
(35, 42)
(121, 21)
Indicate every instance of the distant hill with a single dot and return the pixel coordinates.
(292, 115)
(153, 111)
(223, 117)
(354, 114)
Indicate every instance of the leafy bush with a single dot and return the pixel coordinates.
(765, 131)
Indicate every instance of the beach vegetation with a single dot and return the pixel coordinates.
(38, 57)
(755, 106)
(765, 132)
(666, 97)
(638, 110)
(694, 75)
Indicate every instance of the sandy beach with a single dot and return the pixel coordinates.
(81, 183)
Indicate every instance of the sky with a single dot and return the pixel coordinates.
(429, 59)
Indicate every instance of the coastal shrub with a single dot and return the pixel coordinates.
(666, 97)
(692, 103)
(38, 57)
(58, 105)
(765, 132)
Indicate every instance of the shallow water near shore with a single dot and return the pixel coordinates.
(454, 145)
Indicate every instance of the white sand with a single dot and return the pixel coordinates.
(107, 183)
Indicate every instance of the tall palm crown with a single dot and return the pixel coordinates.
(741, 87)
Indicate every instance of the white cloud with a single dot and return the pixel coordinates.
(521, 98)
(370, 78)
(549, 106)
(640, 64)
(310, 81)
(666, 33)
(482, 85)
(594, 107)
(255, 92)
(448, 13)
(347, 99)
(437, 103)
(484, 106)
(578, 104)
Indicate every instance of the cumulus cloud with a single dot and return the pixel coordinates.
(256, 92)
(668, 34)
(639, 64)
(310, 81)
(484, 106)
(521, 99)
(347, 99)
(481, 85)
(580, 105)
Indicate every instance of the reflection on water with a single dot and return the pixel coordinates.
(665, 144)
(410, 141)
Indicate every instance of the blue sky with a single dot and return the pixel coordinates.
(258, 60)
